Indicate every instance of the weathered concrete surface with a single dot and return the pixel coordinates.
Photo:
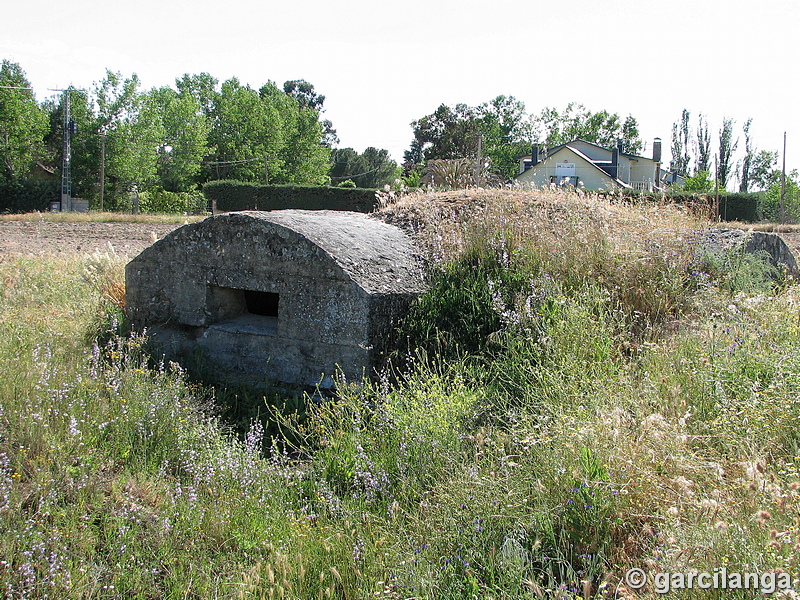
(780, 255)
(342, 281)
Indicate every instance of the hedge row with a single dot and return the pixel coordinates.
(17, 196)
(733, 206)
(237, 195)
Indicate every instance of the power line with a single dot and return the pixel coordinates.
(234, 162)
(357, 174)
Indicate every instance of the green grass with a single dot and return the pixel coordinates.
(608, 407)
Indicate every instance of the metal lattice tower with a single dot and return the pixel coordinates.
(66, 182)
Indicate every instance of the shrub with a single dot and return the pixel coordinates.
(18, 196)
(159, 200)
(237, 195)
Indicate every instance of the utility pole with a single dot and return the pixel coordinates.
(783, 182)
(478, 163)
(66, 183)
(102, 166)
(716, 188)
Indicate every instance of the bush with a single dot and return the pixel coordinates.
(159, 200)
(18, 196)
(237, 195)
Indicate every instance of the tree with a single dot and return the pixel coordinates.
(23, 124)
(507, 131)
(448, 132)
(185, 141)
(246, 134)
(602, 128)
(703, 162)
(727, 146)
(305, 155)
(747, 161)
(133, 132)
(266, 135)
(680, 145)
(771, 202)
(202, 88)
(372, 169)
(303, 91)
(699, 182)
(763, 173)
(85, 140)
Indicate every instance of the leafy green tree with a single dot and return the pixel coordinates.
(307, 97)
(134, 133)
(602, 128)
(85, 140)
(23, 124)
(763, 173)
(747, 161)
(501, 128)
(507, 132)
(266, 135)
(703, 162)
(246, 134)
(185, 141)
(202, 88)
(771, 204)
(303, 91)
(700, 182)
(727, 146)
(680, 144)
(448, 133)
(372, 169)
(305, 153)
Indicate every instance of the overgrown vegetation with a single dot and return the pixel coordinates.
(583, 392)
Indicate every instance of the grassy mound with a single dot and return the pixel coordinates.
(575, 396)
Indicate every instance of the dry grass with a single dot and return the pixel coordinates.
(439, 221)
(98, 217)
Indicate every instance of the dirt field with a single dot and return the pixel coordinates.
(127, 239)
(43, 237)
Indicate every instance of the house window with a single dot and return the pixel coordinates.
(261, 303)
(558, 180)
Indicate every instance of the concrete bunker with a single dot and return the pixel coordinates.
(288, 295)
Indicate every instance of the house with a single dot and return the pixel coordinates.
(592, 167)
(290, 295)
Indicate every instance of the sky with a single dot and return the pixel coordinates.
(381, 65)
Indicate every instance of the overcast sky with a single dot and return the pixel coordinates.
(381, 65)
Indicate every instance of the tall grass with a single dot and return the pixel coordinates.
(609, 405)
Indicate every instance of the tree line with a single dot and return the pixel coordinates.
(124, 138)
(702, 163)
(501, 130)
(177, 138)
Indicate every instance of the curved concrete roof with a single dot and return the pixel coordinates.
(378, 257)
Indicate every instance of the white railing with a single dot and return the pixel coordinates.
(642, 186)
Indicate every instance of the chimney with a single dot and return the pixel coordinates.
(619, 146)
(534, 155)
(615, 160)
(657, 150)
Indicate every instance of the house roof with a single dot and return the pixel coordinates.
(592, 164)
(552, 151)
